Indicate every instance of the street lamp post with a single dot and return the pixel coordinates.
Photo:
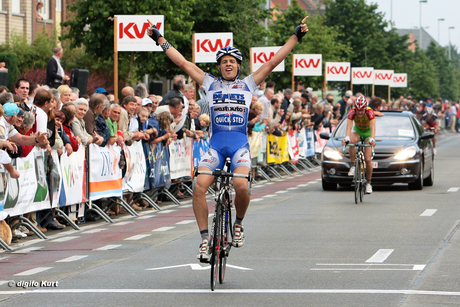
(439, 41)
(421, 34)
(450, 46)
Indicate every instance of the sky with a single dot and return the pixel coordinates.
(406, 15)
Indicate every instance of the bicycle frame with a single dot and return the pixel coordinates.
(359, 178)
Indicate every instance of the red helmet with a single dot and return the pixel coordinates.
(360, 103)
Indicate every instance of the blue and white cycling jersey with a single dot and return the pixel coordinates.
(229, 105)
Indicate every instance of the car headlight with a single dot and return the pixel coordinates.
(332, 154)
(406, 153)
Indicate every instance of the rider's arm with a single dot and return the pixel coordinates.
(372, 127)
(262, 73)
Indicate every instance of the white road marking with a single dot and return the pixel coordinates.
(145, 217)
(27, 250)
(197, 267)
(419, 267)
(94, 231)
(64, 239)
(137, 237)
(294, 188)
(165, 211)
(237, 291)
(72, 258)
(281, 192)
(369, 267)
(122, 223)
(185, 206)
(164, 228)
(302, 185)
(428, 212)
(380, 256)
(33, 271)
(256, 200)
(2, 282)
(210, 214)
(107, 247)
(185, 222)
(270, 195)
(454, 189)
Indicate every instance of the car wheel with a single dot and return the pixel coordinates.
(418, 184)
(329, 186)
(430, 179)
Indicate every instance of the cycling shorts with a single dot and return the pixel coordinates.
(366, 134)
(214, 159)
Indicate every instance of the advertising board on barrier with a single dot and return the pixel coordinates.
(132, 32)
(260, 55)
(3, 187)
(180, 164)
(309, 148)
(133, 181)
(293, 146)
(206, 45)
(399, 80)
(104, 172)
(338, 71)
(200, 147)
(308, 64)
(362, 75)
(277, 149)
(383, 77)
(73, 177)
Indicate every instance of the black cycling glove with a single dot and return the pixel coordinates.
(298, 32)
(155, 34)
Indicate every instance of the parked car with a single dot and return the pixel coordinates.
(403, 153)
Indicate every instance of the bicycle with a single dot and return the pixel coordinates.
(222, 228)
(359, 178)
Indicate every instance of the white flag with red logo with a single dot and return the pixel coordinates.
(260, 55)
(338, 71)
(207, 45)
(362, 75)
(399, 80)
(383, 77)
(308, 65)
(132, 32)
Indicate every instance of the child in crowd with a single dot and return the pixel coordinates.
(202, 123)
(150, 132)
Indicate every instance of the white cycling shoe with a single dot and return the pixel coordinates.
(351, 172)
(238, 236)
(368, 188)
(203, 253)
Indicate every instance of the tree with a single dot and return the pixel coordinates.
(92, 27)
(422, 78)
(321, 39)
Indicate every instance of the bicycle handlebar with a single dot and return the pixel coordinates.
(221, 173)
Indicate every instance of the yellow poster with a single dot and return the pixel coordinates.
(277, 149)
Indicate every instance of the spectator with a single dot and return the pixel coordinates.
(128, 109)
(78, 123)
(174, 108)
(150, 132)
(329, 99)
(453, 115)
(286, 102)
(96, 104)
(62, 140)
(265, 100)
(55, 74)
(33, 87)
(21, 89)
(375, 104)
(318, 117)
(6, 97)
(275, 117)
(3, 89)
(69, 112)
(65, 97)
(176, 92)
(155, 103)
(343, 105)
(114, 116)
(141, 91)
(202, 123)
(39, 7)
(127, 91)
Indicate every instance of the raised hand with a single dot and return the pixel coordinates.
(153, 32)
(301, 29)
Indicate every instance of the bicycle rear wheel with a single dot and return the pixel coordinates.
(227, 236)
(216, 246)
(362, 183)
(357, 179)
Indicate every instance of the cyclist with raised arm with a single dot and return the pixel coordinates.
(229, 103)
(430, 123)
(364, 118)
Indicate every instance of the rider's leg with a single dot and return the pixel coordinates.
(241, 193)
(368, 159)
(200, 206)
(434, 141)
(354, 139)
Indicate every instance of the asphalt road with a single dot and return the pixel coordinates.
(304, 247)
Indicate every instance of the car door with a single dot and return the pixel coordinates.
(425, 145)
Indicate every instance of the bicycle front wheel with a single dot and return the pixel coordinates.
(226, 239)
(362, 184)
(357, 180)
(216, 246)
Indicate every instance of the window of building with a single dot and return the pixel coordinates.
(45, 10)
(58, 5)
(16, 7)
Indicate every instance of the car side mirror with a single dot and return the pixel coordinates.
(427, 135)
(324, 135)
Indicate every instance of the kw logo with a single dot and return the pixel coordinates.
(206, 45)
(126, 30)
(302, 63)
(399, 79)
(383, 76)
(262, 57)
(337, 70)
(362, 74)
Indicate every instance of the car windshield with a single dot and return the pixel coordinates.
(387, 127)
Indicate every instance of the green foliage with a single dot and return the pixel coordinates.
(422, 77)
(11, 62)
(321, 39)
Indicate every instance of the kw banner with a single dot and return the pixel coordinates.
(362, 75)
(293, 146)
(383, 77)
(199, 149)
(132, 32)
(3, 181)
(104, 172)
(309, 147)
(135, 168)
(399, 80)
(180, 162)
(260, 55)
(338, 71)
(277, 149)
(73, 177)
(30, 191)
(207, 44)
(308, 65)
